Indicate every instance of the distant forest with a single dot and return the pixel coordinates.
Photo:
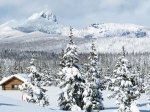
(12, 62)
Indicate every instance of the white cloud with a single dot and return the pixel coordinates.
(11, 2)
(80, 12)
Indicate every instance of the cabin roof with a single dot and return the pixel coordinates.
(22, 77)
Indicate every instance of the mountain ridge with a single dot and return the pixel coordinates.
(44, 33)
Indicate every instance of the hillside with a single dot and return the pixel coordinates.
(106, 30)
(43, 32)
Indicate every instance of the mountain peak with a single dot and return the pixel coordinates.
(48, 15)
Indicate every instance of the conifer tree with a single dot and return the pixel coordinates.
(35, 93)
(147, 87)
(94, 83)
(71, 79)
(61, 66)
(107, 78)
(125, 84)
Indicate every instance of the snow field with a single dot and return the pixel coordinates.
(10, 101)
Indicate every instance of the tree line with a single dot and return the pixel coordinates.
(16, 61)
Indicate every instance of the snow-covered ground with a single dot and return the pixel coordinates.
(11, 101)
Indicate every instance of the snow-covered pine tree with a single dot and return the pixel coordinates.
(94, 83)
(71, 79)
(138, 79)
(147, 87)
(61, 66)
(124, 84)
(34, 92)
(107, 78)
(47, 78)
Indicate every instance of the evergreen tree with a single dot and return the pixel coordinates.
(35, 93)
(61, 66)
(71, 79)
(94, 83)
(48, 78)
(125, 84)
(107, 78)
(147, 87)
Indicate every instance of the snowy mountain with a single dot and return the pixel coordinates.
(43, 32)
(114, 30)
(45, 22)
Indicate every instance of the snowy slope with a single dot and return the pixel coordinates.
(45, 22)
(11, 102)
(11, 105)
(6, 31)
(114, 45)
(114, 30)
(42, 32)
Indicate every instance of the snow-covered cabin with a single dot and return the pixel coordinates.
(12, 82)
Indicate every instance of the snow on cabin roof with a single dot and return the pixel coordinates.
(22, 77)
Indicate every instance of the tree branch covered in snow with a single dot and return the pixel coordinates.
(33, 90)
(94, 83)
(71, 80)
(126, 85)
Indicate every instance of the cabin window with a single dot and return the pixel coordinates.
(15, 86)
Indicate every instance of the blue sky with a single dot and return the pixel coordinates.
(80, 13)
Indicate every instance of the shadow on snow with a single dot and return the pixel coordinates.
(109, 108)
(7, 104)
